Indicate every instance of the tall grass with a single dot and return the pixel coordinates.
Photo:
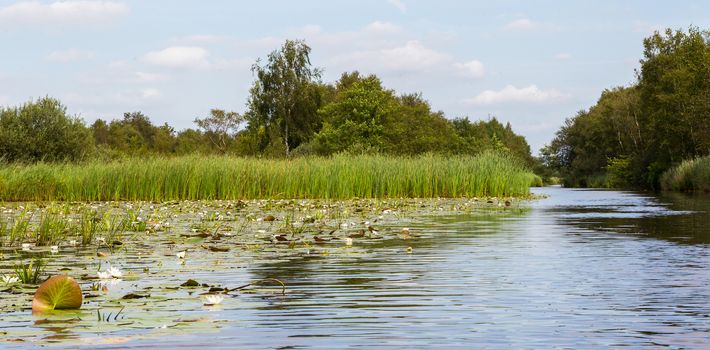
(215, 177)
(690, 175)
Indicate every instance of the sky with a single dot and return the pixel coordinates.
(530, 63)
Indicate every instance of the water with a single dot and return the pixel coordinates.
(582, 269)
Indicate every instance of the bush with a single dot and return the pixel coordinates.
(42, 131)
(690, 175)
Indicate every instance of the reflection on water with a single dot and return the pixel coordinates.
(581, 269)
(675, 217)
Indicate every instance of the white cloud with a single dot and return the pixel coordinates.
(178, 57)
(521, 24)
(399, 4)
(4, 100)
(201, 39)
(412, 56)
(383, 27)
(121, 72)
(563, 56)
(472, 69)
(144, 77)
(71, 55)
(511, 94)
(61, 12)
(150, 93)
(126, 99)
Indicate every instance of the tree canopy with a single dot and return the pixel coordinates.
(633, 134)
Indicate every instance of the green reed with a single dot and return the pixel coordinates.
(690, 175)
(30, 273)
(215, 177)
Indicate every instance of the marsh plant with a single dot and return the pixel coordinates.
(223, 177)
(30, 273)
(88, 226)
(16, 229)
(51, 230)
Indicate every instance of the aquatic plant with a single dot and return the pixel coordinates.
(9, 279)
(30, 273)
(52, 229)
(59, 292)
(222, 177)
(17, 229)
(690, 175)
(213, 300)
(111, 272)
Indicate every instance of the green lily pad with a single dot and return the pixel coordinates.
(60, 292)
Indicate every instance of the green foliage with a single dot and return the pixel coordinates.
(636, 133)
(619, 171)
(220, 127)
(690, 175)
(289, 113)
(59, 292)
(340, 176)
(480, 136)
(354, 120)
(51, 230)
(41, 130)
(285, 97)
(30, 273)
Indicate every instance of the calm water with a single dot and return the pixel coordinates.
(582, 269)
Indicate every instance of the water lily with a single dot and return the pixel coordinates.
(54, 249)
(111, 272)
(348, 241)
(72, 242)
(115, 272)
(180, 255)
(9, 279)
(25, 246)
(213, 300)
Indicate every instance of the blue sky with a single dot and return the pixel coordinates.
(530, 63)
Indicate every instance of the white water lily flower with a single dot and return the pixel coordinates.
(115, 272)
(348, 241)
(54, 249)
(72, 242)
(104, 275)
(180, 255)
(100, 239)
(213, 300)
(9, 279)
(25, 246)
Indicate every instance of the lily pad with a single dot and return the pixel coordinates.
(135, 296)
(60, 292)
(190, 283)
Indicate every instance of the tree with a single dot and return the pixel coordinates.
(355, 119)
(42, 130)
(284, 98)
(220, 127)
(674, 84)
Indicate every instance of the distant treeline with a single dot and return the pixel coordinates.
(289, 112)
(634, 134)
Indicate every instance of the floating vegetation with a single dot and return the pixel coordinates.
(191, 259)
(59, 292)
(337, 177)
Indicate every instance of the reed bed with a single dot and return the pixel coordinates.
(690, 175)
(223, 177)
